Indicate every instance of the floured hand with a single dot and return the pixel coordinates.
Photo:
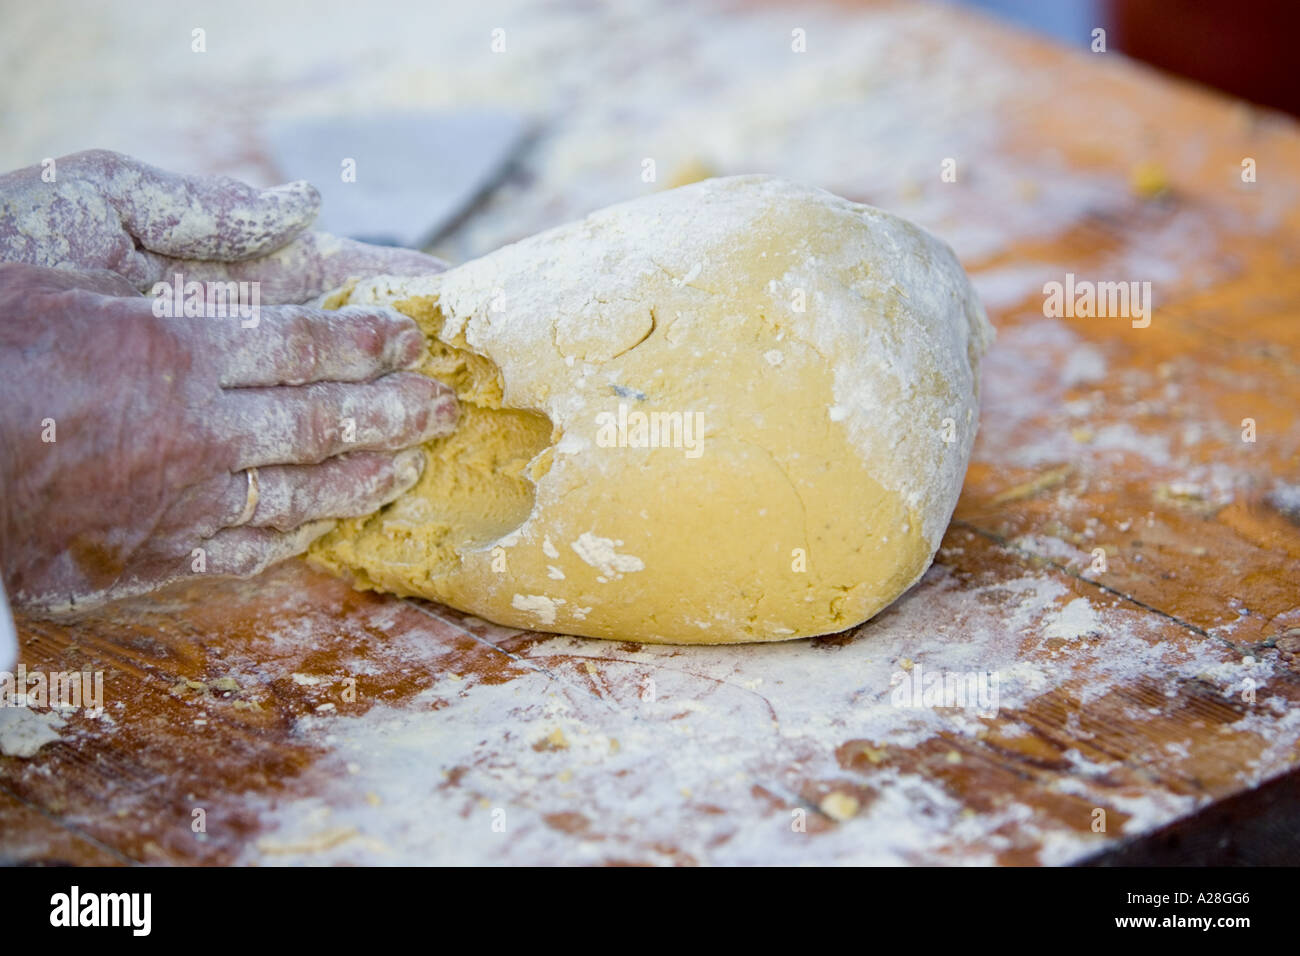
(128, 437)
(125, 439)
(102, 210)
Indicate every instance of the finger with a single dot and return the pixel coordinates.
(103, 282)
(99, 281)
(345, 487)
(241, 552)
(244, 552)
(295, 345)
(286, 496)
(309, 423)
(69, 224)
(140, 267)
(198, 217)
(311, 264)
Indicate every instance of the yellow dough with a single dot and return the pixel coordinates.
(736, 411)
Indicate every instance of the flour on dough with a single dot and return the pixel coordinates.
(740, 410)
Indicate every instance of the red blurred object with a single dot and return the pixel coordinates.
(1246, 48)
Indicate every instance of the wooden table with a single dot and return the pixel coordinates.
(1121, 558)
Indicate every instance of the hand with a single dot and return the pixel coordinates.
(142, 474)
(102, 210)
(125, 438)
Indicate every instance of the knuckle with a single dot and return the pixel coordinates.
(302, 360)
(323, 425)
(369, 337)
(297, 502)
(100, 157)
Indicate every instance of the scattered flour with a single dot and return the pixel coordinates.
(1077, 619)
(597, 752)
(23, 731)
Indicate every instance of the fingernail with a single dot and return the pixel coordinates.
(408, 466)
(409, 347)
(299, 190)
(444, 410)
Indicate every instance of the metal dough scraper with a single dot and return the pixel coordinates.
(400, 179)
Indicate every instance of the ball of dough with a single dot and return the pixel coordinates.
(736, 411)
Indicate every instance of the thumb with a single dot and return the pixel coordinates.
(198, 217)
(313, 263)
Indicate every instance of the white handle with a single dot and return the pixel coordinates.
(8, 635)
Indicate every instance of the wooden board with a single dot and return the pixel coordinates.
(311, 723)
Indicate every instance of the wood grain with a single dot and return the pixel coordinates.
(312, 723)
